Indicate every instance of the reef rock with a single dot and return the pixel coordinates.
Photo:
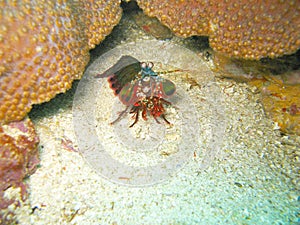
(18, 159)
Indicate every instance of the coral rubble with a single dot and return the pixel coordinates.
(18, 158)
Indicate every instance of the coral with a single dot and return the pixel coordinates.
(278, 81)
(243, 29)
(100, 16)
(285, 68)
(44, 46)
(281, 102)
(152, 26)
(18, 157)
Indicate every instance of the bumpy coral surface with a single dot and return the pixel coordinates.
(44, 46)
(18, 156)
(100, 16)
(242, 29)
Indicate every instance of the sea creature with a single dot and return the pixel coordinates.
(139, 88)
(154, 105)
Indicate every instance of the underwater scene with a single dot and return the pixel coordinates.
(149, 112)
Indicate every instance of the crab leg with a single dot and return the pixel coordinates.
(120, 116)
(163, 116)
(136, 114)
(156, 120)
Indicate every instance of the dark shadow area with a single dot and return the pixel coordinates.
(61, 101)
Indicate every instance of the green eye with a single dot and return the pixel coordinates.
(168, 88)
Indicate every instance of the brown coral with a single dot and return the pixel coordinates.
(44, 46)
(242, 29)
(100, 16)
(18, 157)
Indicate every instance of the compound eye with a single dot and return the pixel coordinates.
(150, 65)
(143, 65)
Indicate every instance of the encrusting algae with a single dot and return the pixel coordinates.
(18, 158)
(281, 102)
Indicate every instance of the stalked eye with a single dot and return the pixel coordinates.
(150, 65)
(146, 79)
(111, 79)
(143, 64)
